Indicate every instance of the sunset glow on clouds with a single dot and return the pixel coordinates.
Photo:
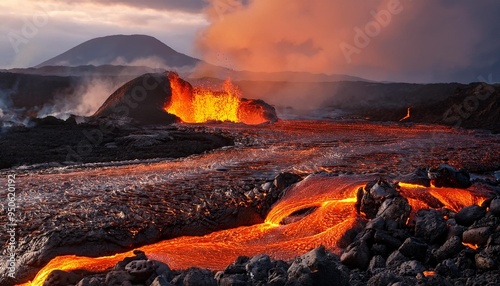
(400, 40)
(70, 23)
(423, 41)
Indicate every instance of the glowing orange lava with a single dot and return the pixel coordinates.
(197, 105)
(330, 201)
(472, 246)
(429, 273)
(421, 197)
(333, 197)
(407, 115)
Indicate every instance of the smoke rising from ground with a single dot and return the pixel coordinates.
(9, 114)
(399, 40)
(91, 94)
(86, 99)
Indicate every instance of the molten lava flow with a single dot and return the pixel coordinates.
(197, 105)
(407, 115)
(72, 262)
(421, 197)
(323, 210)
(181, 102)
(334, 198)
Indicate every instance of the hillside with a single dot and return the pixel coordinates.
(429, 103)
(121, 50)
(474, 106)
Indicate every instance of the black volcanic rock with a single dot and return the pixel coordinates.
(27, 92)
(413, 248)
(141, 99)
(373, 195)
(430, 225)
(468, 215)
(450, 248)
(57, 145)
(195, 277)
(474, 106)
(140, 269)
(477, 236)
(258, 267)
(495, 206)
(317, 267)
(121, 49)
(61, 278)
(357, 255)
(446, 176)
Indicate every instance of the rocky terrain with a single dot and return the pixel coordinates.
(343, 189)
(432, 247)
(106, 208)
(54, 142)
(473, 106)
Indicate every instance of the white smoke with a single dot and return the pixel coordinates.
(87, 98)
(9, 115)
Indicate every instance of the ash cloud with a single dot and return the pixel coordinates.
(426, 41)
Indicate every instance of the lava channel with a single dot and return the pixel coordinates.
(325, 203)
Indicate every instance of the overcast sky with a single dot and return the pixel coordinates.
(414, 41)
(60, 25)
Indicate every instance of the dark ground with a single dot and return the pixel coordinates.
(100, 210)
(58, 142)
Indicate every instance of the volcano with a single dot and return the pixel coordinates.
(166, 98)
(121, 50)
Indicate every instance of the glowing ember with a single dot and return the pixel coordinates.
(472, 246)
(429, 273)
(197, 105)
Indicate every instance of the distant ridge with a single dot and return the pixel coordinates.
(139, 54)
(121, 50)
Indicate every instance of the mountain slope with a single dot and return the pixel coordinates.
(121, 49)
(139, 54)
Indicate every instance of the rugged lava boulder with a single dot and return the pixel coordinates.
(141, 99)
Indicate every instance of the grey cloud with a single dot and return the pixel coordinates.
(189, 6)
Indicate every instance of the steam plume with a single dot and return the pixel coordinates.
(83, 102)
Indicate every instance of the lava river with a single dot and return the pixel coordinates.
(329, 201)
(124, 198)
